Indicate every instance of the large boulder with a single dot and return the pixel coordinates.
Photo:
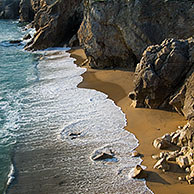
(56, 24)
(9, 9)
(160, 73)
(115, 33)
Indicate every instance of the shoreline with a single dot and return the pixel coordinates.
(145, 124)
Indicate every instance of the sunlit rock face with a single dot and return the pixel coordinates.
(28, 8)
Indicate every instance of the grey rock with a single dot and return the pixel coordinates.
(161, 143)
(182, 161)
(161, 70)
(27, 36)
(103, 154)
(56, 24)
(180, 178)
(28, 8)
(156, 157)
(138, 173)
(173, 155)
(190, 179)
(162, 164)
(115, 33)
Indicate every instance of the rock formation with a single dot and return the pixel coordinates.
(183, 156)
(9, 9)
(115, 33)
(161, 71)
(28, 8)
(56, 24)
(183, 101)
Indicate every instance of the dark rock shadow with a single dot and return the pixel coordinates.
(173, 148)
(155, 177)
(174, 168)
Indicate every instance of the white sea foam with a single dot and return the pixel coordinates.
(61, 126)
(11, 175)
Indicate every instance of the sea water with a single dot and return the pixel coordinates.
(51, 130)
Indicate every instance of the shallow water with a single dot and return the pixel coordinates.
(50, 129)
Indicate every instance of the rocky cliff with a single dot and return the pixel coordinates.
(56, 23)
(28, 8)
(115, 33)
(9, 9)
(23, 9)
(161, 71)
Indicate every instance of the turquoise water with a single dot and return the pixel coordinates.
(17, 71)
(50, 129)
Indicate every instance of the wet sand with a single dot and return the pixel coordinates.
(146, 124)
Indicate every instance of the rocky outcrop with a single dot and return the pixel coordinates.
(9, 9)
(28, 8)
(161, 72)
(183, 156)
(162, 142)
(56, 24)
(115, 33)
(183, 101)
(162, 164)
(26, 11)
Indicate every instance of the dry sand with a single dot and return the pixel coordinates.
(146, 124)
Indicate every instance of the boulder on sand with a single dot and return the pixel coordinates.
(138, 173)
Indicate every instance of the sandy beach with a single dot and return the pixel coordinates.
(145, 124)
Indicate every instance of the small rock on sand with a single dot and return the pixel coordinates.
(138, 173)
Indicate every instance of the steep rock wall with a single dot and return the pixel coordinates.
(56, 24)
(113, 31)
(161, 70)
(28, 8)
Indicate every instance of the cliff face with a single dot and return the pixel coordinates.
(161, 70)
(9, 9)
(25, 9)
(56, 23)
(28, 8)
(113, 32)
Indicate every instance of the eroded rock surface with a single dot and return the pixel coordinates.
(115, 33)
(183, 156)
(161, 72)
(28, 8)
(56, 24)
(162, 164)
